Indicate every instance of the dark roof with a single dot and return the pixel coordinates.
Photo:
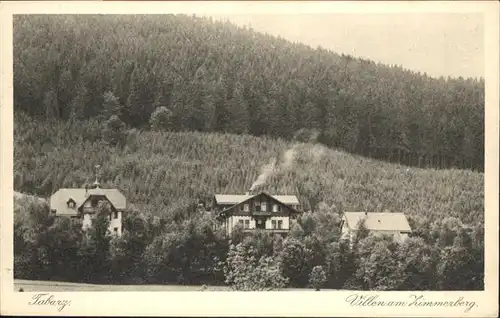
(248, 197)
(232, 199)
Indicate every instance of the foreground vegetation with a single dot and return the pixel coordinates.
(448, 256)
(216, 77)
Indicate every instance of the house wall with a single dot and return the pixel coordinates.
(345, 232)
(87, 222)
(398, 236)
(116, 223)
(233, 221)
(285, 219)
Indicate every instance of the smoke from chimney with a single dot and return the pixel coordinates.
(266, 172)
(272, 167)
(288, 157)
(313, 152)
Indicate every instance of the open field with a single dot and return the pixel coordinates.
(51, 286)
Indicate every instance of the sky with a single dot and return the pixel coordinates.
(439, 44)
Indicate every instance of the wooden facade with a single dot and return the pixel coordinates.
(261, 211)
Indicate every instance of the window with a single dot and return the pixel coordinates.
(71, 203)
(263, 206)
(280, 224)
(246, 207)
(115, 230)
(276, 208)
(115, 215)
(273, 222)
(240, 223)
(247, 224)
(257, 208)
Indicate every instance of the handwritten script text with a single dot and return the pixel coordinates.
(49, 300)
(414, 301)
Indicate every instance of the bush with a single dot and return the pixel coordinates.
(317, 278)
(243, 271)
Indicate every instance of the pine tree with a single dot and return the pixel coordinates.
(111, 106)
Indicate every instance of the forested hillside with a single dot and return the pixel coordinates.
(216, 77)
(167, 173)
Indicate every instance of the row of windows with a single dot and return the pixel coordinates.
(276, 224)
(260, 207)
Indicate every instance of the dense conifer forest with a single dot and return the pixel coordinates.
(216, 77)
(177, 108)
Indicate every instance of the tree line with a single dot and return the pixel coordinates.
(440, 255)
(211, 76)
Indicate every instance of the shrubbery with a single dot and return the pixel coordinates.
(193, 252)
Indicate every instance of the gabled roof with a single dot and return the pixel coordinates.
(232, 199)
(248, 197)
(378, 221)
(58, 201)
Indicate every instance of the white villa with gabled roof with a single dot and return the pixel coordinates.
(83, 203)
(377, 223)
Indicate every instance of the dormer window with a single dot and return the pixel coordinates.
(71, 203)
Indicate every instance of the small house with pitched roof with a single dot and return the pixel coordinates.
(84, 203)
(377, 223)
(256, 211)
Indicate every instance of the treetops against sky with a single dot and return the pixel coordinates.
(439, 44)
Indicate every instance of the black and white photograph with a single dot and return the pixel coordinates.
(230, 151)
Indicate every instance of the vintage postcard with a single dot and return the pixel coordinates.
(249, 158)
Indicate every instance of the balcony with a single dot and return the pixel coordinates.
(261, 213)
(267, 230)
